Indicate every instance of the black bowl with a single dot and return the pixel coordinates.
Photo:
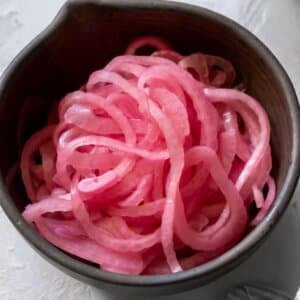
(87, 34)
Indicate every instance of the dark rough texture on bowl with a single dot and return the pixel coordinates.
(84, 37)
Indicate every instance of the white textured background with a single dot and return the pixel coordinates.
(26, 276)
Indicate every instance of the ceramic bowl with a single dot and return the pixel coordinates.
(85, 36)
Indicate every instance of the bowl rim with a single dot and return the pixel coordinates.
(210, 268)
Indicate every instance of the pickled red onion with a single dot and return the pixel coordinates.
(153, 165)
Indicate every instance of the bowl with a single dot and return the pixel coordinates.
(84, 37)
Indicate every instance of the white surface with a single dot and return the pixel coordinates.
(25, 276)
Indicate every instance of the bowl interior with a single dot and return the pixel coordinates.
(88, 35)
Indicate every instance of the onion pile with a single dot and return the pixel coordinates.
(153, 166)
